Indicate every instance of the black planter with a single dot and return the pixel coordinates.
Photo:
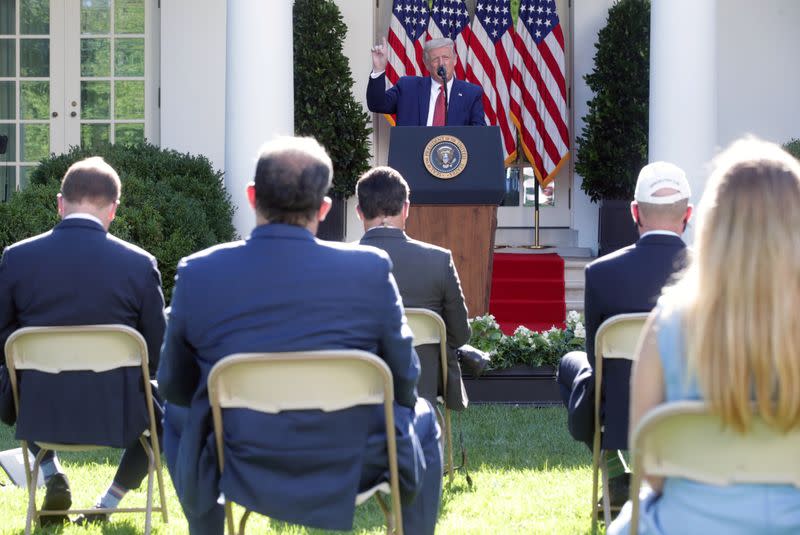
(518, 384)
(334, 227)
(616, 228)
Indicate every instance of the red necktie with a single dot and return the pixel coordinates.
(438, 110)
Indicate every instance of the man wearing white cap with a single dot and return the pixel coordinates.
(628, 280)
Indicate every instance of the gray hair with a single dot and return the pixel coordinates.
(437, 43)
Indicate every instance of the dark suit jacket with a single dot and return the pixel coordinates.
(410, 100)
(284, 290)
(78, 274)
(628, 280)
(427, 278)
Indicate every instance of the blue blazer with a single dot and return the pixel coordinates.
(410, 100)
(283, 290)
(628, 280)
(78, 274)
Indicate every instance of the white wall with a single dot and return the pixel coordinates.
(758, 69)
(358, 15)
(589, 16)
(193, 78)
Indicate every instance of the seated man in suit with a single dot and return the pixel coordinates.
(283, 290)
(628, 280)
(79, 274)
(425, 275)
(420, 101)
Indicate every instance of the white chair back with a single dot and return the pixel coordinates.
(683, 439)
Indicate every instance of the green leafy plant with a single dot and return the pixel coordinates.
(324, 106)
(525, 346)
(172, 204)
(612, 147)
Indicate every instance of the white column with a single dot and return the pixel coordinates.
(683, 86)
(259, 91)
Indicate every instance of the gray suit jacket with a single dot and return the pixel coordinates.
(427, 278)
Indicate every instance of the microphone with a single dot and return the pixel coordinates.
(443, 75)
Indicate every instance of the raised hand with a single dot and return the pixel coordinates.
(380, 56)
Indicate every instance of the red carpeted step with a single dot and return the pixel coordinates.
(528, 288)
(536, 311)
(542, 266)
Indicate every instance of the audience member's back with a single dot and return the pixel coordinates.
(727, 334)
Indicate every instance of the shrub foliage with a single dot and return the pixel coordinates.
(324, 107)
(612, 147)
(172, 204)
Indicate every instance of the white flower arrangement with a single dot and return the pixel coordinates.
(526, 346)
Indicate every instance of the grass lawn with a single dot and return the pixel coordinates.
(528, 476)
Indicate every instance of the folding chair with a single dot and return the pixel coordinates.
(328, 380)
(616, 338)
(96, 348)
(683, 439)
(429, 328)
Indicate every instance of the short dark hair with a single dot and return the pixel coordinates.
(293, 174)
(381, 191)
(92, 180)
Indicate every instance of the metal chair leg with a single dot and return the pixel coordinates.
(243, 521)
(33, 514)
(606, 493)
(449, 432)
(149, 503)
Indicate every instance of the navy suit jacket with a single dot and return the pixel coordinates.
(283, 290)
(628, 280)
(410, 100)
(78, 274)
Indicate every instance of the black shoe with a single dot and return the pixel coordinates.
(473, 360)
(619, 489)
(91, 518)
(57, 498)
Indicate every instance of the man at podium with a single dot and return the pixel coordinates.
(421, 101)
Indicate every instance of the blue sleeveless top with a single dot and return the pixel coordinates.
(688, 507)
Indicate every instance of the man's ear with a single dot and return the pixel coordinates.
(112, 211)
(359, 212)
(251, 194)
(405, 210)
(689, 213)
(635, 212)
(324, 208)
(60, 202)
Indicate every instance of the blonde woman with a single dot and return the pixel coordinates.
(728, 332)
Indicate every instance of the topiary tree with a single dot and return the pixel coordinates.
(612, 147)
(324, 106)
(172, 205)
(793, 147)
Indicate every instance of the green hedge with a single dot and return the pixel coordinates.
(612, 147)
(324, 106)
(172, 204)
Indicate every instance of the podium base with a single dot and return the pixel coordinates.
(468, 231)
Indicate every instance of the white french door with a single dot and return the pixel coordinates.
(74, 72)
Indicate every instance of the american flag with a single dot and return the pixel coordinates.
(406, 35)
(491, 54)
(538, 91)
(450, 18)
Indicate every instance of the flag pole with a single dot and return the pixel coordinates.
(536, 243)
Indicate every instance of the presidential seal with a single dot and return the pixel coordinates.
(445, 157)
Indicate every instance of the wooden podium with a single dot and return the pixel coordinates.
(458, 212)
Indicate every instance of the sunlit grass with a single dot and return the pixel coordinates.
(528, 476)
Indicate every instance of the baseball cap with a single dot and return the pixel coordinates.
(658, 175)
